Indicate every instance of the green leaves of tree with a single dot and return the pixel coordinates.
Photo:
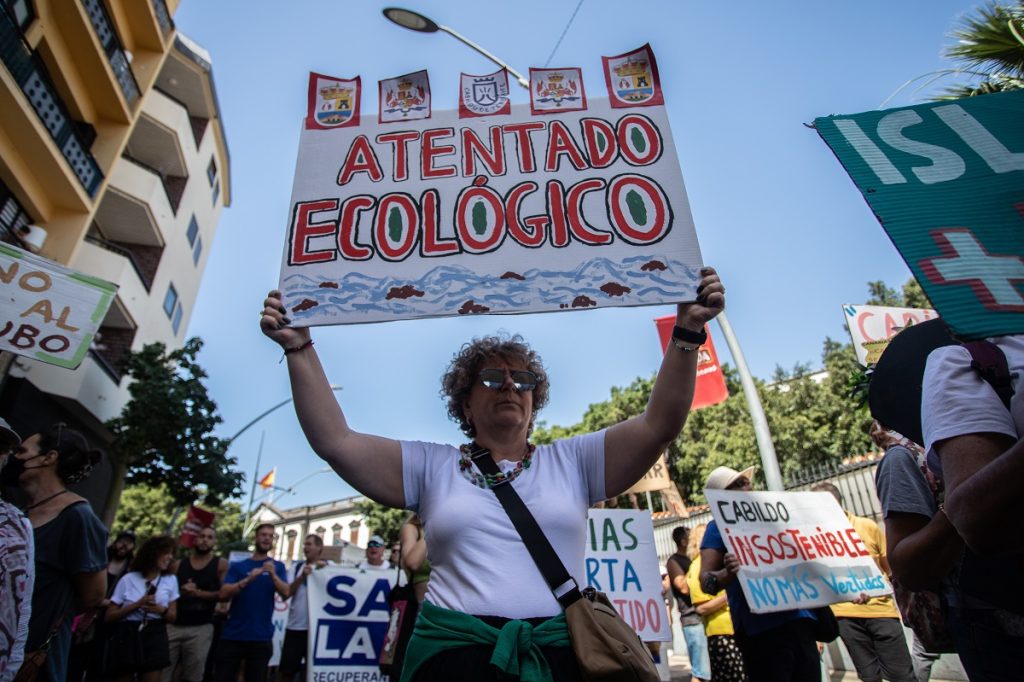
(164, 435)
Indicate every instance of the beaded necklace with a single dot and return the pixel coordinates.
(486, 481)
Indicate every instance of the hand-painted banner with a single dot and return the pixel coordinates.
(946, 180)
(49, 312)
(622, 562)
(796, 550)
(632, 79)
(509, 214)
(196, 520)
(405, 98)
(348, 617)
(872, 327)
(484, 95)
(710, 388)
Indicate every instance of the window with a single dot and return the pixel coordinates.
(176, 320)
(211, 175)
(336, 534)
(170, 300)
(193, 231)
(320, 531)
(197, 251)
(353, 534)
(172, 306)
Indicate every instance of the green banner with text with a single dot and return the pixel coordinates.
(946, 180)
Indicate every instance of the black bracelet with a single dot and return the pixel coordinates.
(687, 340)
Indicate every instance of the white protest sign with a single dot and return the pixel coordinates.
(872, 327)
(796, 550)
(511, 213)
(622, 561)
(49, 312)
(348, 617)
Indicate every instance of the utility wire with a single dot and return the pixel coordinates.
(564, 31)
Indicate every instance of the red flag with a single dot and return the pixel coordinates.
(196, 520)
(268, 480)
(710, 389)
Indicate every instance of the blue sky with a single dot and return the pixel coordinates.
(774, 211)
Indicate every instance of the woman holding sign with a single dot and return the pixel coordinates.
(488, 610)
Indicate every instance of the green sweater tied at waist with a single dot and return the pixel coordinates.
(516, 644)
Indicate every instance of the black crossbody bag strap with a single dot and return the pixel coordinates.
(562, 585)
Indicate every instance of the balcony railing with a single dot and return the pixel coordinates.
(30, 73)
(145, 277)
(174, 185)
(163, 17)
(112, 47)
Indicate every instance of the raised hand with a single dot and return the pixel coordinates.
(274, 323)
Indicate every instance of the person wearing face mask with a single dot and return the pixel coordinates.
(16, 574)
(70, 541)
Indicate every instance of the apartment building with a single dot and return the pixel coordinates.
(111, 142)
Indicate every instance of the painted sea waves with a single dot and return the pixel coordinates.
(456, 290)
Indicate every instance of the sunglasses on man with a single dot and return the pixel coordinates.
(522, 379)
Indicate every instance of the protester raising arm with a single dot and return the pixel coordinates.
(370, 464)
(632, 446)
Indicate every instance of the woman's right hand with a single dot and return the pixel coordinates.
(275, 323)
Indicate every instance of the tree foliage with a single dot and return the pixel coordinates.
(381, 520)
(149, 510)
(813, 416)
(164, 435)
(990, 46)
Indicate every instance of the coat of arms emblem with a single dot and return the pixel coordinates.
(484, 95)
(556, 90)
(632, 79)
(405, 98)
(333, 102)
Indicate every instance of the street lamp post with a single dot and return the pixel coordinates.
(769, 460)
(259, 455)
(417, 22)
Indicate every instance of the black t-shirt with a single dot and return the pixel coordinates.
(687, 613)
(74, 542)
(193, 610)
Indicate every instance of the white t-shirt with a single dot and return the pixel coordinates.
(133, 587)
(479, 564)
(957, 401)
(298, 609)
(366, 565)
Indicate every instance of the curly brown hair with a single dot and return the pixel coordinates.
(464, 369)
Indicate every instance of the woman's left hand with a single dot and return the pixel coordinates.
(710, 301)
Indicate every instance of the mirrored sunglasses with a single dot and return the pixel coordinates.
(522, 379)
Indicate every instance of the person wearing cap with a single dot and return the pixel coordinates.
(16, 571)
(375, 560)
(486, 599)
(776, 646)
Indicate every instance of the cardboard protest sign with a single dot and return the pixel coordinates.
(656, 478)
(49, 312)
(500, 213)
(946, 180)
(622, 561)
(348, 618)
(796, 550)
(872, 326)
